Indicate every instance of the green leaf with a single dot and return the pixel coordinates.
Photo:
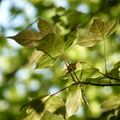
(83, 72)
(115, 72)
(110, 27)
(35, 56)
(98, 31)
(90, 40)
(49, 116)
(38, 106)
(44, 26)
(111, 104)
(45, 61)
(73, 102)
(72, 85)
(96, 34)
(70, 38)
(51, 45)
(27, 38)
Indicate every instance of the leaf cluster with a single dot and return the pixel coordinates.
(48, 48)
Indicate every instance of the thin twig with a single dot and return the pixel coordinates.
(105, 75)
(65, 60)
(86, 83)
(66, 63)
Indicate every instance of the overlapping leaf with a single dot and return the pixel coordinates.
(27, 38)
(35, 56)
(98, 32)
(115, 72)
(45, 61)
(37, 107)
(83, 72)
(50, 116)
(51, 45)
(44, 26)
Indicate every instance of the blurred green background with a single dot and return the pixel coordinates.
(19, 82)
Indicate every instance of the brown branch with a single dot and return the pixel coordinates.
(86, 83)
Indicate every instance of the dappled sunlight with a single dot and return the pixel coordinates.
(82, 35)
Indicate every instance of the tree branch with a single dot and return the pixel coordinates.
(86, 83)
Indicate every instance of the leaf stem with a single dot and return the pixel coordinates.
(105, 75)
(67, 64)
(105, 52)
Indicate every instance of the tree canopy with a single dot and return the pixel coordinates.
(60, 60)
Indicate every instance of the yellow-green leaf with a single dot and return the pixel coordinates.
(73, 102)
(35, 56)
(38, 106)
(51, 45)
(49, 116)
(45, 61)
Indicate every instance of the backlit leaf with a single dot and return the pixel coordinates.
(38, 106)
(44, 26)
(115, 72)
(45, 61)
(51, 45)
(110, 27)
(83, 71)
(50, 116)
(27, 38)
(73, 102)
(98, 31)
(35, 56)
(89, 41)
(97, 27)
